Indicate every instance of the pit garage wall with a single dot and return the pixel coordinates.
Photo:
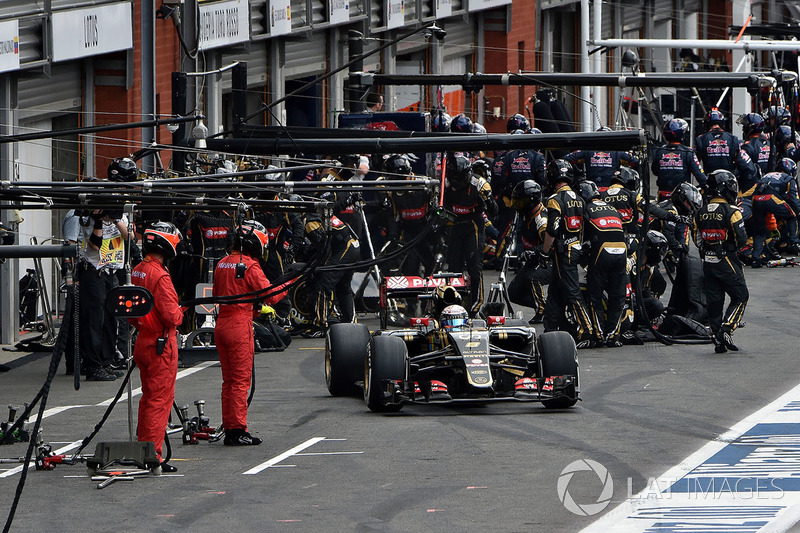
(40, 96)
(45, 104)
(457, 54)
(558, 41)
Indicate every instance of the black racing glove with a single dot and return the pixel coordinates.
(528, 255)
(544, 259)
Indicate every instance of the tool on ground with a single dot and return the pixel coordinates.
(198, 427)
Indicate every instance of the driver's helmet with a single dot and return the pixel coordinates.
(454, 316)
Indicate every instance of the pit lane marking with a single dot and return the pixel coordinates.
(296, 452)
(733, 455)
(328, 453)
(55, 410)
(278, 458)
(182, 374)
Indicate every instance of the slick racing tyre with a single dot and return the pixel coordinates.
(345, 353)
(387, 360)
(304, 299)
(493, 309)
(558, 356)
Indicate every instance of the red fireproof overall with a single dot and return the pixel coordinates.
(157, 371)
(233, 334)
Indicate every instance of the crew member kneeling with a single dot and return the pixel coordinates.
(156, 349)
(239, 273)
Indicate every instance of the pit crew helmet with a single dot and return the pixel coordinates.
(604, 128)
(274, 176)
(656, 246)
(123, 169)
(459, 171)
(349, 160)
(447, 295)
(675, 130)
(483, 168)
(723, 183)
(454, 316)
(628, 177)
(588, 190)
(686, 198)
(559, 170)
(398, 164)
(477, 127)
(517, 122)
(461, 123)
(162, 238)
(535, 131)
(441, 123)
(777, 116)
(752, 123)
(251, 238)
(630, 59)
(787, 166)
(783, 136)
(714, 118)
(226, 166)
(526, 194)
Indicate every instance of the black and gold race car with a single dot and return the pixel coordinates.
(447, 357)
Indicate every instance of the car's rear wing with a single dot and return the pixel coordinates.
(410, 287)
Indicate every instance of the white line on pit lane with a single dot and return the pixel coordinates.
(278, 458)
(619, 518)
(60, 409)
(182, 374)
(327, 453)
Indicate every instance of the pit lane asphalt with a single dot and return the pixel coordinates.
(477, 468)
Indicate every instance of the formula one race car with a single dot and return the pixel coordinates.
(449, 358)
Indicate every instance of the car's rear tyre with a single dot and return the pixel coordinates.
(493, 309)
(387, 360)
(303, 299)
(558, 356)
(345, 353)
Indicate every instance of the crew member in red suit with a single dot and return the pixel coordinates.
(239, 273)
(156, 349)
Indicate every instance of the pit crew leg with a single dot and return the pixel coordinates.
(158, 374)
(572, 293)
(739, 295)
(715, 296)
(554, 306)
(92, 294)
(474, 260)
(345, 299)
(236, 339)
(615, 290)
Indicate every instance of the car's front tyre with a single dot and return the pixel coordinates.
(387, 362)
(345, 354)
